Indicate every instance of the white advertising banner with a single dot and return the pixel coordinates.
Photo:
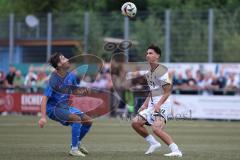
(206, 107)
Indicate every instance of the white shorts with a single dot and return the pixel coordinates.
(147, 114)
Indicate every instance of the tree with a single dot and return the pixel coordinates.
(146, 32)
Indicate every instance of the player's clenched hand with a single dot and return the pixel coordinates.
(42, 122)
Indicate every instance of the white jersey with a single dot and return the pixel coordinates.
(157, 79)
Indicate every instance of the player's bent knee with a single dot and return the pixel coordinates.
(136, 124)
(74, 118)
(135, 120)
(87, 120)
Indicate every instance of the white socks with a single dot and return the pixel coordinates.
(173, 147)
(151, 140)
(74, 148)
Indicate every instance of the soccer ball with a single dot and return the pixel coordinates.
(129, 9)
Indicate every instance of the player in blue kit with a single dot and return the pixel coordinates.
(55, 103)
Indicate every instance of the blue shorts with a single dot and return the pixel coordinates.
(62, 114)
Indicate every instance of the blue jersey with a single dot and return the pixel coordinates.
(59, 89)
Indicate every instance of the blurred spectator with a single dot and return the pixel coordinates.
(215, 84)
(140, 90)
(129, 106)
(102, 81)
(204, 82)
(179, 82)
(18, 80)
(10, 77)
(2, 79)
(30, 81)
(232, 82)
(41, 78)
(222, 79)
(190, 81)
(200, 80)
(207, 81)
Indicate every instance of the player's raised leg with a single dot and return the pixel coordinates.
(157, 128)
(138, 125)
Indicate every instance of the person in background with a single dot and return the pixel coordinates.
(200, 80)
(31, 80)
(215, 84)
(2, 80)
(179, 82)
(41, 79)
(206, 83)
(18, 80)
(232, 82)
(10, 77)
(222, 79)
(190, 81)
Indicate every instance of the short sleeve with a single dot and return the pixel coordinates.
(51, 86)
(48, 91)
(165, 79)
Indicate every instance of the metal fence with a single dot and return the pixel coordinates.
(184, 36)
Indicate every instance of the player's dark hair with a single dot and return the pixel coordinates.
(54, 60)
(155, 48)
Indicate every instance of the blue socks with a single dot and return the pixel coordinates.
(75, 133)
(84, 131)
(78, 132)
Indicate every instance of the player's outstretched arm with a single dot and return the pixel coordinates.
(43, 119)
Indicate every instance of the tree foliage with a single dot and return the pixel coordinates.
(43, 6)
(188, 31)
(147, 31)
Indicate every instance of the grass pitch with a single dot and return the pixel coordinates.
(113, 139)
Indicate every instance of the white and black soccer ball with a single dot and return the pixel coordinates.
(129, 9)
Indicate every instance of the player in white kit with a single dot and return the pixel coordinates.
(155, 109)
